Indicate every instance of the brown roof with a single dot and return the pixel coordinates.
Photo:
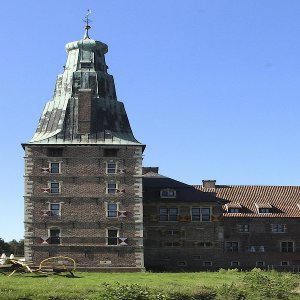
(283, 200)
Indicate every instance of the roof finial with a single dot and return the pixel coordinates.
(87, 26)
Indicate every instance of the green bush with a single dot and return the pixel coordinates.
(131, 292)
(270, 285)
(231, 292)
(206, 293)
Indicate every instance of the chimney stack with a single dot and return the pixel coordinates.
(209, 184)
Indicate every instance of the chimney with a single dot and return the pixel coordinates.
(150, 169)
(209, 184)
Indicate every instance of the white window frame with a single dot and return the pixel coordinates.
(59, 167)
(284, 263)
(51, 188)
(110, 188)
(109, 169)
(51, 210)
(169, 217)
(201, 208)
(117, 237)
(107, 204)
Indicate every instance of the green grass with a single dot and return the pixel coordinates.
(91, 285)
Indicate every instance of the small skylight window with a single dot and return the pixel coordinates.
(168, 193)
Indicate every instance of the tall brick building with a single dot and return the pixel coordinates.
(83, 170)
(88, 197)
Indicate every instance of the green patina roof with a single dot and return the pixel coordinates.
(85, 69)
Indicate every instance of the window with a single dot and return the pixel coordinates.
(54, 167)
(110, 152)
(264, 210)
(260, 264)
(232, 246)
(54, 209)
(168, 193)
(287, 246)
(181, 264)
(284, 263)
(207, 263)
(172, 244)
(111, 168)
(243, 227)
(111, 188)
(234, 263)
(255, 249)
(168, 214)
(54, 236)
(202, 214)
(204, 244)
(112, 210)
(278, 228)
(196, 257)
(55, 152)
(112, 237)
(173, 232)
(54, 187)
(234, 210)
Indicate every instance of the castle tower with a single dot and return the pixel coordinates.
(83, 170)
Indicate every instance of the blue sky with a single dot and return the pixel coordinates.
(211, 86)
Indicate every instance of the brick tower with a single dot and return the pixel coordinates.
(83, 171)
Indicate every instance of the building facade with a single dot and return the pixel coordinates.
(87, 195)
(209, 226)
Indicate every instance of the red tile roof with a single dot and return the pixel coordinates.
(284, 200)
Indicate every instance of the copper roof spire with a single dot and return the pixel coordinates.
(87, 26)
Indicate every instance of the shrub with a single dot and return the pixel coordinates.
(131, 292)
(231, 292)
(206, 293)
(270, 285)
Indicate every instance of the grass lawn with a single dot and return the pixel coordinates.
(89, 285)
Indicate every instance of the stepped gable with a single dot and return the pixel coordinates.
(283, 201)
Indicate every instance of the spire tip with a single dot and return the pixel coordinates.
(87, 27)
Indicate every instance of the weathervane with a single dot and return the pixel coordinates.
(87, 26)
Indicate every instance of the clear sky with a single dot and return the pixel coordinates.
(211, 86)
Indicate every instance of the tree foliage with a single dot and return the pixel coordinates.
(13, 247)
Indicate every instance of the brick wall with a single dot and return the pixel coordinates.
(83, 220)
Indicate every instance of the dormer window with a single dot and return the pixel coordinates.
(233, 208)
(168, 193)
(263, 208)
